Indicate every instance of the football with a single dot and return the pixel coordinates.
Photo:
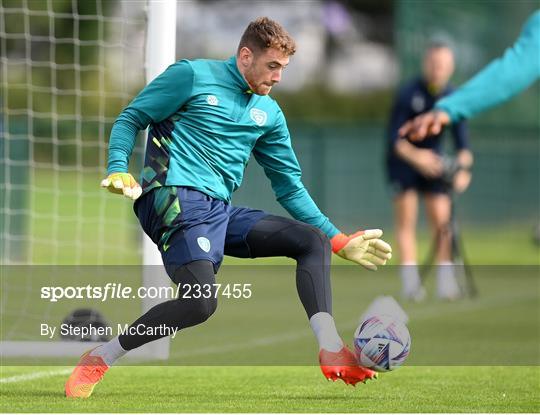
(382, 343)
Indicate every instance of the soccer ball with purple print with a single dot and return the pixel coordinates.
(382, 343)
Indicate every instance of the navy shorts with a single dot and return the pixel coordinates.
(188, 225)
(403, 177)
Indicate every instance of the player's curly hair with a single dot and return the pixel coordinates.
(264, 33)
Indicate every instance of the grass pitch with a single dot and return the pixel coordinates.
(475, 355)
(259, 355)
(283, 389)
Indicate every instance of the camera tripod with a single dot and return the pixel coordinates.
(462, 269)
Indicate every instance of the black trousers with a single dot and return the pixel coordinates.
(272, 236)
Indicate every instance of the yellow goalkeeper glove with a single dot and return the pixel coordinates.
(122, 183)
(364, 248)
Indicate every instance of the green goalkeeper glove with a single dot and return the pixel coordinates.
(364, 248)
(122, 183)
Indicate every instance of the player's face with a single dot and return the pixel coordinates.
(438, 67)
(262, 70)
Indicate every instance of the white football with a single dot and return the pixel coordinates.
(382, 343)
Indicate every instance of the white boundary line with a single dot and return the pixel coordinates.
(35, 375)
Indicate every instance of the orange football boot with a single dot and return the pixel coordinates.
(88, 372)
(343, 365)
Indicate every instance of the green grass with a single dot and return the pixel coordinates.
(101, 228)
(74, 221)
(285, 389)
(259, 355)
(443, 333)
(475, 355)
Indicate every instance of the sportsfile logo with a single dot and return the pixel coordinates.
(119, 291)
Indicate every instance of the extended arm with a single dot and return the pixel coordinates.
(502, 79)
(156, 102)
(275, 154)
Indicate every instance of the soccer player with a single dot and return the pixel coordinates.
(206, 117)
(415, 169)
(502, 79)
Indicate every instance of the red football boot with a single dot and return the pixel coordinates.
(86, 375)
(343, 365)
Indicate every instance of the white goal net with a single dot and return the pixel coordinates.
(68, 68)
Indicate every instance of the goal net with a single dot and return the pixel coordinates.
(68, 68)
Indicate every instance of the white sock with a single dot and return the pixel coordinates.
(110, 352)
(324, 327)
(410, 278)
(447, 286)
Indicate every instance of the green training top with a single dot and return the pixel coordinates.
(204, 124)
(503, 78)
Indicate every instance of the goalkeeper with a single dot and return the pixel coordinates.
(516, 70)
(206, 117)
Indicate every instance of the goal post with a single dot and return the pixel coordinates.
(160, 53)
(68, 68)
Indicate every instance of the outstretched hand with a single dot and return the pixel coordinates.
(122, 183)
(364, 247)
(424, 125)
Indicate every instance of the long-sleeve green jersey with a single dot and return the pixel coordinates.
(204, 124)
(503, 78)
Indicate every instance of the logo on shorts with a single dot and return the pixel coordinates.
(204, 243)
(212, 100)
(259, 116)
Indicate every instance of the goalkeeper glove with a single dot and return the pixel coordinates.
(122, 183)
(364, 248)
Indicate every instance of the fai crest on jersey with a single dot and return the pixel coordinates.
(259, 116)
(204, 243)
(212, 100)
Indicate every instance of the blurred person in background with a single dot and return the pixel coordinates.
(418, 168)
(502, 79)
